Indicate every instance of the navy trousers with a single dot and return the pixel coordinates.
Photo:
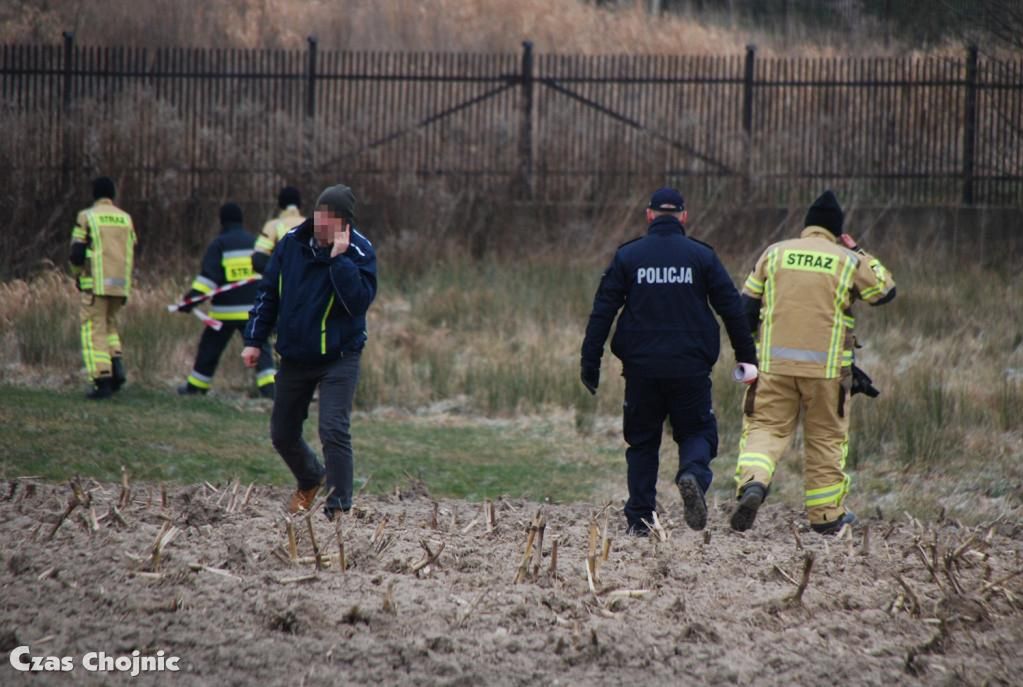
(212, 344)
(686, 402)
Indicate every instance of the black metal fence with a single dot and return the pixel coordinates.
(213, 123)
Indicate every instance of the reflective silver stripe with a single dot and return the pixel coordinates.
(358, 233)
(114, 282)
(798, 355)
(228, 254)
(200, 377)
(206, 281)
(231, 308)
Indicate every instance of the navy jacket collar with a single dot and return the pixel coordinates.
(304, 231)
(666, 224)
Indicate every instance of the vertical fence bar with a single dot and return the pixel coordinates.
(747, 114)
(970, 128)
(69, 49)
(310, 106)
(526, 124)
(69, 46)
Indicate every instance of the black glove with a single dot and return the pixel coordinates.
(187, 308)
(862, 384)
(590, 377)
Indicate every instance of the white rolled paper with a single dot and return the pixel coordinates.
(745, 373)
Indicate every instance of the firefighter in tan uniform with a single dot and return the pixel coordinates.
(289, 200)
(102, 252)
(801, 291)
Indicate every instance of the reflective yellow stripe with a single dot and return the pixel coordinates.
(129, 261)
(756, 460)
(97, 256)
(323, 326)
(87, 349)
(266, 378)
(85, 283)
(882, 280)
(831, 495)
(751, 461)
(847, 358)
(838, 320)
(754, 285)
(201, 287)
(867, 294)
(79, 235)
(770, 297)
(196, 382)
(264, 245)
(232, 316)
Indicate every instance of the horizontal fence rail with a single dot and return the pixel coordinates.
(217, 123)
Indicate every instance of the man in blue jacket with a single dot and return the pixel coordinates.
(668, 341)
(321, 280)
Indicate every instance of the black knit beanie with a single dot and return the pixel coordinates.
(230, 213)
(826, 212)
(339, 200)
(289, 195)
(103, 187)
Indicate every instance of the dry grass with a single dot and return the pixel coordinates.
(450, 334)
(501, 340)
(567, 26)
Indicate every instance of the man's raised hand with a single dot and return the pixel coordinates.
(342, 239)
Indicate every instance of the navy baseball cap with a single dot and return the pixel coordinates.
(667, 200)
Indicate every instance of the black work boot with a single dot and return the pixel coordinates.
(694, 502)
(119, 376)
(830, 529)
(753, 494)
(104, 388)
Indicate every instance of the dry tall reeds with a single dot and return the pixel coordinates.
(483, 25)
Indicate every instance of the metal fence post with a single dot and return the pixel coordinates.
(970, 124)
(526, 123)
(310, 75)
(747, 114)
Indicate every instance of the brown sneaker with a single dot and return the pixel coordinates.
(303, 499)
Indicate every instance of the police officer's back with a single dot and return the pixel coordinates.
(666, 285)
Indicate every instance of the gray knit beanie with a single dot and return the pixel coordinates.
(339, 200)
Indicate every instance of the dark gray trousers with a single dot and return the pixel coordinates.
(296, 384)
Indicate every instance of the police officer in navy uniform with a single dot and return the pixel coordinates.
(665, 284)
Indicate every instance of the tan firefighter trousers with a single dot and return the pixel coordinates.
(772, 410)
(100, 339)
